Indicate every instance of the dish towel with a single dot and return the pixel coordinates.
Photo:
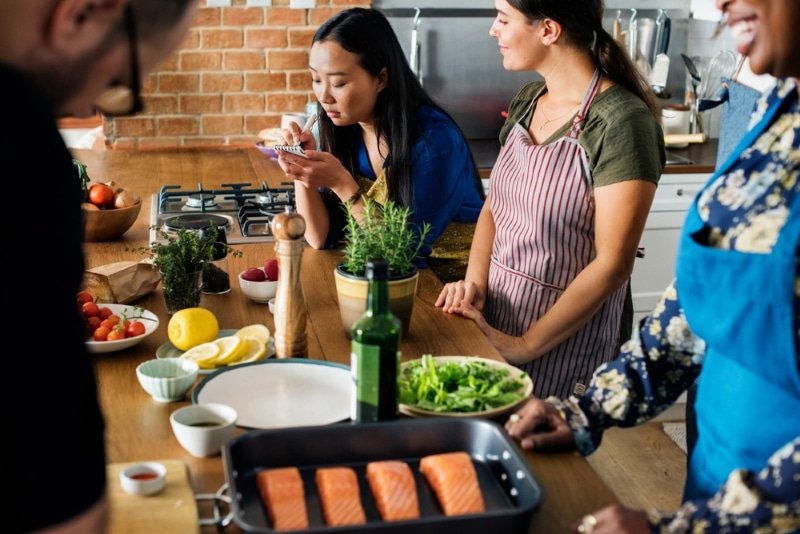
(738, 101)
(677, 433)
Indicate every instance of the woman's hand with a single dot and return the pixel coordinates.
(317, 169)
(514, 349)
(613, 519)
(294, 135)
(454, 293)
(539, 425)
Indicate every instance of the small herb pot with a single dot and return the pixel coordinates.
(352, 293)
(181, 290)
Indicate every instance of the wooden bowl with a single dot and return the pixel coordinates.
(109, 224)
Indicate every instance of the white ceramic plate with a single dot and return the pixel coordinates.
(168, 350)
(414, 411)
(148, 319)
(281, 393)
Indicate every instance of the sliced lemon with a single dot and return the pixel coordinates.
(258, 331)
(229, 349)
(204, 354)
(254, 350)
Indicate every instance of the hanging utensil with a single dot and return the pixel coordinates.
(616, 32)
(663, 30)
(633, 34)
(415, 46)
(722, 65)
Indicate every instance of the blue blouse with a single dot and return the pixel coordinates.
(444, 179)
(745, 208)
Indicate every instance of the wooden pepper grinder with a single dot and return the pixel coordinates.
(290, 306)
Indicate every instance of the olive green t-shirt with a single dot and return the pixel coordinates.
(622, 139)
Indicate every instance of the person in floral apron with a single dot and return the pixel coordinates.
(730, 320)
(581, 155)
(381, 136)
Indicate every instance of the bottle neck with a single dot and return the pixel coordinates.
(378, 297)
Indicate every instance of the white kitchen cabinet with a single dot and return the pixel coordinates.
(653, 273)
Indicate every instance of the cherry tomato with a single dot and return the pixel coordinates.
(84, 297)
(101, 334)
(136, 328)
(105, 312)
(114, 319)
(93, 323)
(115, 335)
(90, 309)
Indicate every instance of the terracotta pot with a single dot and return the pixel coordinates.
(108, 224)
(352, 293)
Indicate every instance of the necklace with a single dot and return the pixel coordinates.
(548, 120)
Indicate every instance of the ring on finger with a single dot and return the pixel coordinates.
(588, 522)
(514, 418)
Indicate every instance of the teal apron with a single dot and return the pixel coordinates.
(742, 305)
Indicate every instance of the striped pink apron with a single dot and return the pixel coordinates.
(543, 210)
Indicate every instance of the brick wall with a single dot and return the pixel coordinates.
(236, 72)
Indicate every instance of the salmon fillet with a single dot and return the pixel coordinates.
(394, 489)
(282, 492)
(454, 481)
(339, 496)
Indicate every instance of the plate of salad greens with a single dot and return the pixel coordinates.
(461, 386)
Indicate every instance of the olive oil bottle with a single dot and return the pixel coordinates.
(375, 356)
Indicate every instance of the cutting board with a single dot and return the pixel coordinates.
(172, 510)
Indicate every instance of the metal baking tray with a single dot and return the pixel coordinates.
(510, 490)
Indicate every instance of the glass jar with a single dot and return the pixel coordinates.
(216, 279)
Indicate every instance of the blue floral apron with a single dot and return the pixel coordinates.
(742, 305)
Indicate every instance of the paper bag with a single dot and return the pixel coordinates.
(121, 282)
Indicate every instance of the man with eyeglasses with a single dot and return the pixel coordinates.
(61, 58)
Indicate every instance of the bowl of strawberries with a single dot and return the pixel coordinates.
(260, 283)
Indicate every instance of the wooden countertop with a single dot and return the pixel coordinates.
(137, 428)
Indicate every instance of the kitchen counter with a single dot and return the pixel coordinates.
(701, 156)
(137, 428)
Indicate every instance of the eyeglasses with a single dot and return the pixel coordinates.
(122, 100)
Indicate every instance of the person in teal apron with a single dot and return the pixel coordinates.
(731, 320)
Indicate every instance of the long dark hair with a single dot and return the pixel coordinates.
(368, 34)
(582, 26)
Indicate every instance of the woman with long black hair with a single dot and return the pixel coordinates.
(380, 135)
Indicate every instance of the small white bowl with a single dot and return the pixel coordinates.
(144, 478)
(202, 429)
(167, 379)
(259, 292)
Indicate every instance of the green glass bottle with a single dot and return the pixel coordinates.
(375, 356)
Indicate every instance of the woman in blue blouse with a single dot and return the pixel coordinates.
(731, 319)
(381, 135)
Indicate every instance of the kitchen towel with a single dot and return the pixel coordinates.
(738, 101)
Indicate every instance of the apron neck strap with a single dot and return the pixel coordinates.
(591, 92)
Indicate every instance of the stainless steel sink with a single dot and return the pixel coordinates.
(674, 159)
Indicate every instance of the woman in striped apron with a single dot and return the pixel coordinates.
(569, 196)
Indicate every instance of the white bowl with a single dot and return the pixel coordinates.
(148, 318)
(144, 478)
(259, 292)
(271, 305)
(168, 379)
(202, 429)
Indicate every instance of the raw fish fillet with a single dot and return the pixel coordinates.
(282, 492)
(339, 496)
(394, 489)
(454, 481)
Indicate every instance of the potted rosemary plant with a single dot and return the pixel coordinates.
(383, 232)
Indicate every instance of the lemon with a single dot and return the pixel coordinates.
(254, 350)
(204, 354)
(258, 331)
(190, 327)
(230, 347)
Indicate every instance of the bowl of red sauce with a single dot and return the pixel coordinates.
(144, 478)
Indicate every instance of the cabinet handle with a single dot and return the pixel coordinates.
(680, 191)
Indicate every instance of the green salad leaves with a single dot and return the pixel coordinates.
(458, 386)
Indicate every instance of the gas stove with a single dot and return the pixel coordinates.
(244, 211)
